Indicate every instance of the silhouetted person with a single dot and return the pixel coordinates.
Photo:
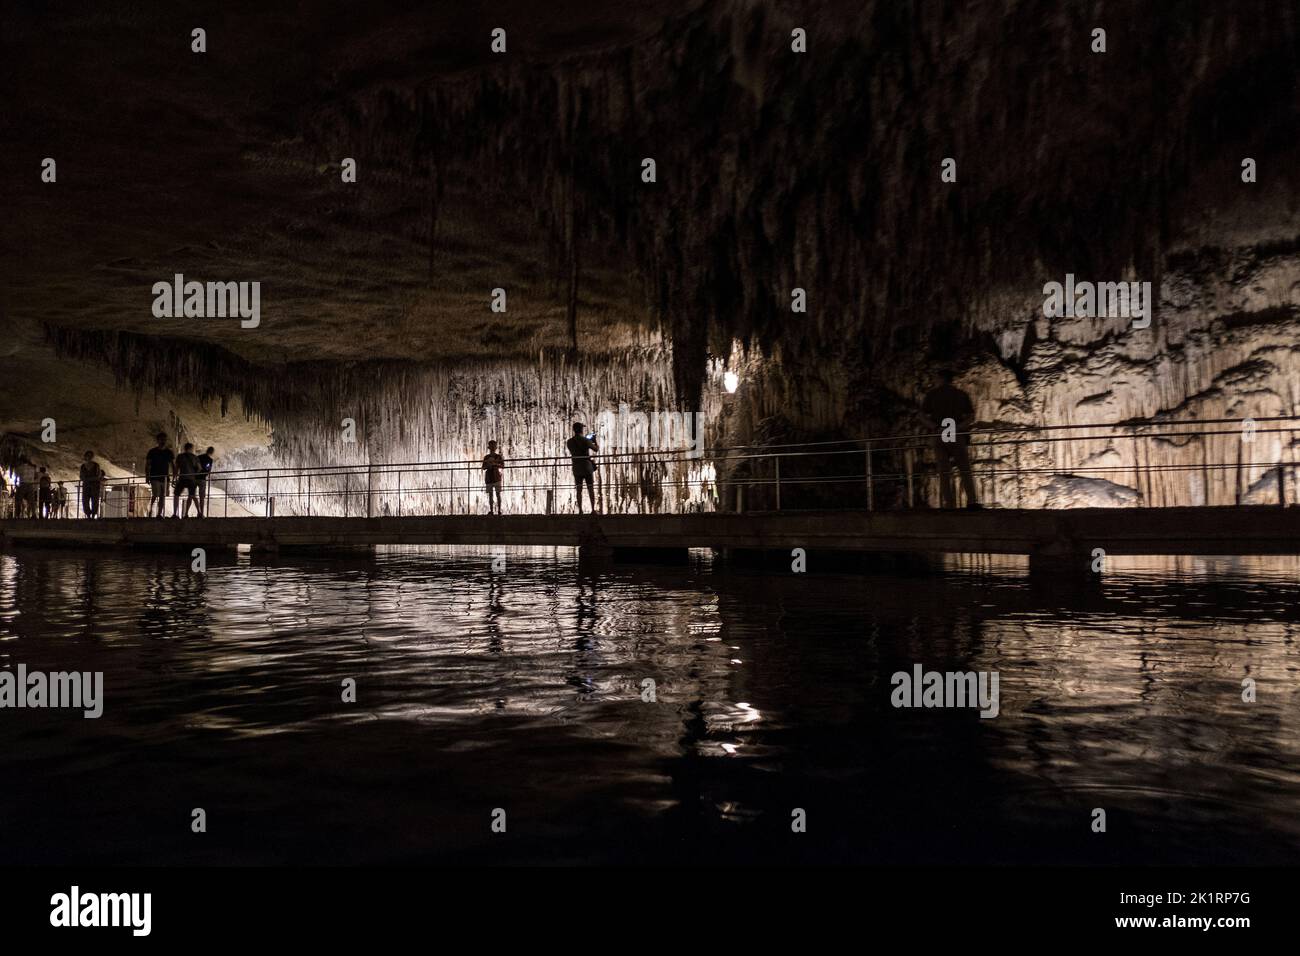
(26, 494)
(61, 501)
(187, 481)
(206, 461)
(92, 479)
(157, 470)
(947, 401)
(46, 495)
(493, 465)
(580, 448)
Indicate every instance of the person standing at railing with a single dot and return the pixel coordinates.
(46, 494)
(26, 494)
(943, 403)
(206, 461)
(493, 465)
(92, 478)
(158, 467)
(187, 481)
(581, 445)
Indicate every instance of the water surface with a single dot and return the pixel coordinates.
(521, 689)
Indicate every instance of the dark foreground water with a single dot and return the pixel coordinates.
(522, 690)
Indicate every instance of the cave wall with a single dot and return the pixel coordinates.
(92, 411)
(1225, 345)
(776, 171)
(407, 413)
(822, 171)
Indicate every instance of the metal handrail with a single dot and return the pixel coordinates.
(726, 461)
(719, 453)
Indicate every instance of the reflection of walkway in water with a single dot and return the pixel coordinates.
(1071, 537)
(522, 688)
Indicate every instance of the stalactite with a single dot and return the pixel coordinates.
(572, 297)
(407, 413)
(779, 171)
(822, 171)
(1221, 351)
(435, 187)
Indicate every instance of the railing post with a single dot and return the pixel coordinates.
(990, 482)
(1020, 477)
(907, 467)
(1240, 452)
(871, 498)
(370, 489)
(399, 492)
(1137, 465)
(1147, 495)
(777, 460)
(268, 492)
(1205, 469)
(309, 494)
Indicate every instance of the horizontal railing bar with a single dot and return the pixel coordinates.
(661, 456)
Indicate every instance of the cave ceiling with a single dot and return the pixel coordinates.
(774, 170)
(216, 166)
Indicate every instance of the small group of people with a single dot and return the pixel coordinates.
(37, 494)
(580, 447)
(186, 473)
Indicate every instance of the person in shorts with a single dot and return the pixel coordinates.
(206, 461)
(158, 466)
(46, 494)
(26, 494)
(188, 471)
(581, 446)
(92, 478)
(493, 464)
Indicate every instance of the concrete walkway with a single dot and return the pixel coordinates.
(1046, 535)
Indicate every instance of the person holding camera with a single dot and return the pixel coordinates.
(581, 445)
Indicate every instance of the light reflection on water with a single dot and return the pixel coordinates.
(523, 689)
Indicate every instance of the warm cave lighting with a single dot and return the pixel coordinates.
(450, 573)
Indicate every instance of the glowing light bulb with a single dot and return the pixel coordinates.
(730, 381)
